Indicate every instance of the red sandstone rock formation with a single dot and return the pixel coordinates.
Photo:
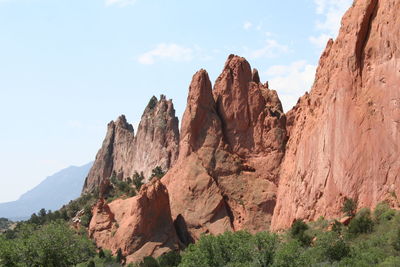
(155, 144)
(140, 226)
(232, 143)
(344, 135)
(236, 166)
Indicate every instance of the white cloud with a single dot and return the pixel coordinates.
(271, 49)
(247, 25)
(119, 3)
(172, 52)
(331, 12)
(291, 81)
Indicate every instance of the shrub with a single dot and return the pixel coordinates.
(157, 173)
(54, 244)
(396, 241)
(361, 223)
(383, 212)
(101, 253)
(298, 231)
(290, 254)
(349, 207)
(149, 262)
(337, 227)
(170, 259)
(332, 246)
(137, 180)
(91, 264)
(120, 258)
(265, 246)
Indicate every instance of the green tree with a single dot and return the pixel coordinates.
(332, 246)
(149, 262)
(120, 258)
(170, 259)
(396, 241)
(265, 246)
(137, 180)
(383, 212)
(349, 207)
(54, 244)
(298, 231)
(157, 173)
(290, 254)
(361, 223)
(101, 253)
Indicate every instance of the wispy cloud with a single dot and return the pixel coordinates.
(247, 25)
(173, 52)
(119, 3)
(291, 81)
(272, 48)
(330, 13)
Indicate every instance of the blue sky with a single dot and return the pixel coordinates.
(68, 67)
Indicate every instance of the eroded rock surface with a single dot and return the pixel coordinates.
(344, 135)
(155, 144)
(232, 143)
(140, 226)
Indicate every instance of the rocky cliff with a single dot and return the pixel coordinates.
(139, 226)
(123, 152)
(244, 164)
(344, 135)
(232, 142)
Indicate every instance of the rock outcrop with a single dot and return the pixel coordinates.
(244, 164)
(345, 135)
(232, 142)
(139, 226)
(155, 144)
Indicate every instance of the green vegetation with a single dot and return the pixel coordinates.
(53, 244)
(370, 239)
(137, 180)
(119, 188)
(157, 173)
(5, 224)
(298, 231)
(349, 207)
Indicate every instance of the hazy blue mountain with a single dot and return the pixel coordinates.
(51, 194)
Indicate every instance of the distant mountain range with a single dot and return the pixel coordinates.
(51, 194)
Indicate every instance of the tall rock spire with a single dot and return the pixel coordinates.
(155, 144)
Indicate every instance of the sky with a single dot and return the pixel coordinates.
(68, 67)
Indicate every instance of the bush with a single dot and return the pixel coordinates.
(298, 231)
(361, 223)
(290, 254)
(396, 241)
(54, 244)
(337, 227)
(120, 258)
(149, 262)
(349, 207)
(157, 173)
(231, 249)
(170, 259)
(137, 180)
(383, 212)
(332, 246)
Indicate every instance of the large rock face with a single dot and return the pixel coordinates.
(242, 162)
(139, 226)
(345, 135)
(155, 144)
(232, 143)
